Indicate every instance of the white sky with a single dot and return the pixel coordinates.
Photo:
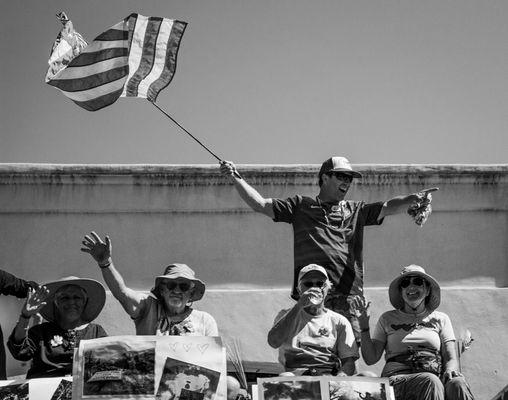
(282, 81)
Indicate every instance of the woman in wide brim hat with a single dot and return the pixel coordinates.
(418, 341)
(69, 305)
(168, 308)
(432, 299)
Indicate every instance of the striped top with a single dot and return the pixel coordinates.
(330, 235)
(134, 58)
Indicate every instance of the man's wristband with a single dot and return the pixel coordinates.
(23, 317)
(105, 265)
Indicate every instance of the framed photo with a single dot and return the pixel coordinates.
(324, 388)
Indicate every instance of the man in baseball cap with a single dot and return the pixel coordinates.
(311, 339)
(329, 229)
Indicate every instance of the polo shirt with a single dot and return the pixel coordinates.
(330, 235)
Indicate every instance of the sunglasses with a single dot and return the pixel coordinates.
(414, 280)
(309, 284)
(183, 286)
(341, 177)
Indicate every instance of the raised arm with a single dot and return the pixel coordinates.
(284, 327)
(250, 195)
(372, 349)
(401, 204)
(36, 300)
(101, 251)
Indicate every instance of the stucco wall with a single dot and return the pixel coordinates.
(160, 214)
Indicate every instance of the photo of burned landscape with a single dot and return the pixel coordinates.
(119, 368)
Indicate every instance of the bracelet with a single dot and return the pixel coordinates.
(103, 266)
(364, 330)
(24, 316)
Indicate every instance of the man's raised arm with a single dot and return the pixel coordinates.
(101, 252)
(250, 195)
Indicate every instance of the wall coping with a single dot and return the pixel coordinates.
(208, 174)
(44, 168)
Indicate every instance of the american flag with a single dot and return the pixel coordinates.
(134, 58)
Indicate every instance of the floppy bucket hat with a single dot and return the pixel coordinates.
(96, 297)
(175, 271)
(338, 164)
(309, 268)
(434, 297)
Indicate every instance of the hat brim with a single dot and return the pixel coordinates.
(434, 296)
(198, 290)
(96, 298)
(315, 268)
(354, 174)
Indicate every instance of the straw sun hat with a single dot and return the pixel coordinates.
(96, 297)
(433, 299)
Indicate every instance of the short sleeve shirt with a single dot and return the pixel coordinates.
(151, 321)
(330, 235)
(401, 332)
(317, 341)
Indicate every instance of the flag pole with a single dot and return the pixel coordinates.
(236, 173)
(186, 131)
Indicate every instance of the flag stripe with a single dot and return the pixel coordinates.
(100, 102)
(177, 30)
(113, 34)
(90, 81)
(85, 59)
(136, 38)
(97, 46)
(159, 59)
(96, 92)
(148, 50)
(75, 73)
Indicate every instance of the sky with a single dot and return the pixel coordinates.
(274, 82)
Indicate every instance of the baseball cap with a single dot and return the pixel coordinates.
(311, 267)
(338, 164)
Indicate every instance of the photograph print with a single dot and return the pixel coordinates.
(63, 391)
(18, 391)
(119, 368)
(181, 380)
(359, 389)
(294, 389)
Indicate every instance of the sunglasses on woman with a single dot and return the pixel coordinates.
(183, 286)
(414, 280)
(309, 284)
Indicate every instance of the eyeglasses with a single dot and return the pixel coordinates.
(414, 280)
(183, 286)
(341, 176)
(309, 284)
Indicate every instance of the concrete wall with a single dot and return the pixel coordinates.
(156, 215)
